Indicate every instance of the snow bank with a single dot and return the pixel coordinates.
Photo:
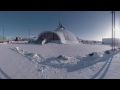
(42, 68)
(43, 42)
(16, 48)
(31, 56)
(34, 56)
(59, 61)
(63, 57)
(64, 60)
(94, 55)
(15, 42)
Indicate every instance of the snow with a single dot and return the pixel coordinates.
(43, 42)
(19, 42)
(66, 36)
(57, 61)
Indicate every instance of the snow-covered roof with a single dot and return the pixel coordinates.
(66, 37)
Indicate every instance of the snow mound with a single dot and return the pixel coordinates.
(31, 56)
(44, 41)
(42, 68)
(18, 42)
(94, 55)
(107, 52)
(16, 48)
(64, 57)
(60, 61)
(34, 56)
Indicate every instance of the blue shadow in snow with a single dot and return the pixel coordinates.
(91, 62)
(4, 74)
(102, 76)
(83, 63)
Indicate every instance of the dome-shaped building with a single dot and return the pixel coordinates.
(60, 35)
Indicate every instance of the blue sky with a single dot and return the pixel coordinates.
(91, 25)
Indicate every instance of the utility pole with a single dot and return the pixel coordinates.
(29, 34)
(112, 30)
(3, 33)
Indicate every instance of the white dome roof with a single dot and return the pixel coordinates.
(66, 36)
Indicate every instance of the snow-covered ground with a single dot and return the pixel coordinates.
(57, 61)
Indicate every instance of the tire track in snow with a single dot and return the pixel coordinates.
(0, 77)
(4, 74)
(106, 70)
(102, 72)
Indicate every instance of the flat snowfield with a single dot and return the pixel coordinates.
(56, 61)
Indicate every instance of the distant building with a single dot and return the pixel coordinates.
(60, 35)
(109, 40)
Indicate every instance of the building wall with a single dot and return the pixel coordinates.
(64, 36)
(49, 36)
(109, 40)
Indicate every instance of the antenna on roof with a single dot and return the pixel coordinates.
(59, 22)
(60, 26)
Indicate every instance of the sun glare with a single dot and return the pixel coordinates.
(117, 32)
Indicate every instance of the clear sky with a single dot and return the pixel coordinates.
(90, 25)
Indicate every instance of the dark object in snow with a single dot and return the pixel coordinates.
(107, 52)
(63, 57)
(60, 56)
(114, 50)
(91, 54)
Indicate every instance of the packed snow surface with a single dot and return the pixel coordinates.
(57, 61)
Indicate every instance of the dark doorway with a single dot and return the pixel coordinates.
(50, 37)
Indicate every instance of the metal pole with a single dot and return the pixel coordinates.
(114, 30)
(29, 34)
(3, 33)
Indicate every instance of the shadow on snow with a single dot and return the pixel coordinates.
(107, 65)
(82, 63)
(4, 74)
